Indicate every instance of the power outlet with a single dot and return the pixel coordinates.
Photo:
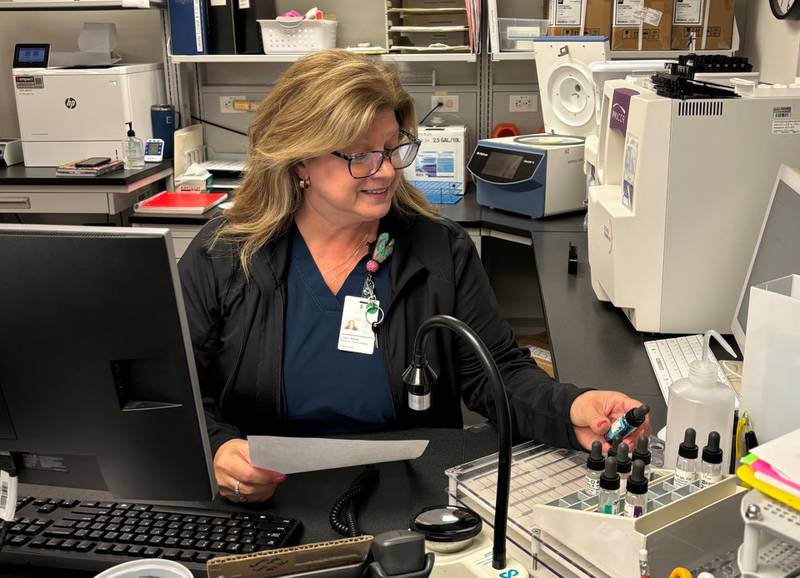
(523, 103)
(226, 104)
(449, 102)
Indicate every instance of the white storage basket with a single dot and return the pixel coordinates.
(295, 37)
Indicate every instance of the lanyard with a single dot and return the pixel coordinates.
(384, 246)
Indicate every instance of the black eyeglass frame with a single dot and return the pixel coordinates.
(385, 154)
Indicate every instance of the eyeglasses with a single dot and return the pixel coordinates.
(363, 165)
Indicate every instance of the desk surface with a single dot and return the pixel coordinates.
(404, 489)
(22, 175)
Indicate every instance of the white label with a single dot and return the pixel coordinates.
(687, 12)
(244, 4)
(567, 12)
(782, 112)
(630, 161)
(592, 486)
(786, 126)
(707, 479)
(355, 331)
(218, 2)
(682, 478)
(652, 16)
(198, 27)
(628, 12)
(8, 496)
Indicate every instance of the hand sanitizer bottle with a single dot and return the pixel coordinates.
(133, 149)
(700, 402)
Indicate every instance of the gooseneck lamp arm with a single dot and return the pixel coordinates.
(418, 378)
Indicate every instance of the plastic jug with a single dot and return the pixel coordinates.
(703, 403)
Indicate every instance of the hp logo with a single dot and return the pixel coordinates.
(70, 103)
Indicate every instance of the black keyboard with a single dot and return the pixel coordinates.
(96, 535)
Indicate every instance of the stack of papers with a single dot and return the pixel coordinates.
(774, 469)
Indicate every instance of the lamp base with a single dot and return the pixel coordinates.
(474, 562)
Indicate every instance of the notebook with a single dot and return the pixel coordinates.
(181, 203)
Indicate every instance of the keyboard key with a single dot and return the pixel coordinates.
(152, 552)
(68, 544)
(53, 543)
(233, 548)
(217, 546)
(64, 524)
(141, 539)
(203, 557)
(106, 505)
(58, 532)
(141, 507)
(135, 550)
(84, 546)
(18, 540)
(187, 556)
(47, 508)
(103, 548)
(171, 554)
(202, 544)
(96, 535)
(38, 542)
(119, 549)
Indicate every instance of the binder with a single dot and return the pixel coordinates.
(233, 25)
(221, 27)
(180, 203)
(188, 22)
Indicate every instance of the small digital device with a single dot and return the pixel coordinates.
(153, 150)
(92, 162)
(31, 55)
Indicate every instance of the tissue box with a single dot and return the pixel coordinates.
(194, 183)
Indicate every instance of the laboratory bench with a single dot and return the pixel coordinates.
(39, 190)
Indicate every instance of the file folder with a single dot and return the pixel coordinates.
(188, 22)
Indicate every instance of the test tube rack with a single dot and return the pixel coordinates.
(551, 521)
(771, 546)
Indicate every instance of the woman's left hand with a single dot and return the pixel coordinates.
(593, 412)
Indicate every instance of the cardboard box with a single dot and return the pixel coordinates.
(652, 19)
(690, 16)
(565, 17)
(441, 155)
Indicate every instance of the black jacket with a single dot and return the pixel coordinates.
(236, 326)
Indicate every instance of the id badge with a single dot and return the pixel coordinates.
(355, 330)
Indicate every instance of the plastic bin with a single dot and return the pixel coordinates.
(517, 34)
(279, 36)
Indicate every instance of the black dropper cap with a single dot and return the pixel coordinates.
(623, 459)
(615, 441)
(637, 482)
(130, 129)
(635, 417)
(642, 451)
(711, 453)
(610, 478)
(595, 461)
(688, 449)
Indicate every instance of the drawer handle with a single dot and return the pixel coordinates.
(15, 203)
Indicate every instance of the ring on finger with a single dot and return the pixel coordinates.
(236, 487)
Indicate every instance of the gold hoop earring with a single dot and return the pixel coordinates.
(304, 183)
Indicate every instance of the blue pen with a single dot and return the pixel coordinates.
(627, 423)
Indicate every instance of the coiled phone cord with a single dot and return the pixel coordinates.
(343, 514)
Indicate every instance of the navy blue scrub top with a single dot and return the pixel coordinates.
(328, 391)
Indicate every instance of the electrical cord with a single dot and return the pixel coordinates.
(430, 112)
(204, 121)
(344, 514)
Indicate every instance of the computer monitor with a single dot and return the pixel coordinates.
(98, 388)
(777, 251)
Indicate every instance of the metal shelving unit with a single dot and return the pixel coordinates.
(249, 58)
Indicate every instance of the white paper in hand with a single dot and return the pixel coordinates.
(293, 455)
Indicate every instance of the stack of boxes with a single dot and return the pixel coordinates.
(646, 24)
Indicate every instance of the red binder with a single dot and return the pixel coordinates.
(182, 203)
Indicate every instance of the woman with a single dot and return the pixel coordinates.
(267, 288)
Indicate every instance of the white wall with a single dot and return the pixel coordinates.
(771, 44)
(139, 35)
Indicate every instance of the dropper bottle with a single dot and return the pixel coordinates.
(615, 441)
(711, 464)
(636, 495)
(628, 422)
(608, 496)
(642, 452)
(595, 464)
(686, 466)
(623, 467)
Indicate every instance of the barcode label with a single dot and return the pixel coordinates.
(782, 112)
(8, 496)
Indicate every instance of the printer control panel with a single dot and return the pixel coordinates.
(503, 166)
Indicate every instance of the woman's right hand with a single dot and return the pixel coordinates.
(232, 464)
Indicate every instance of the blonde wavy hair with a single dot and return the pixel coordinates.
(324, 102)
